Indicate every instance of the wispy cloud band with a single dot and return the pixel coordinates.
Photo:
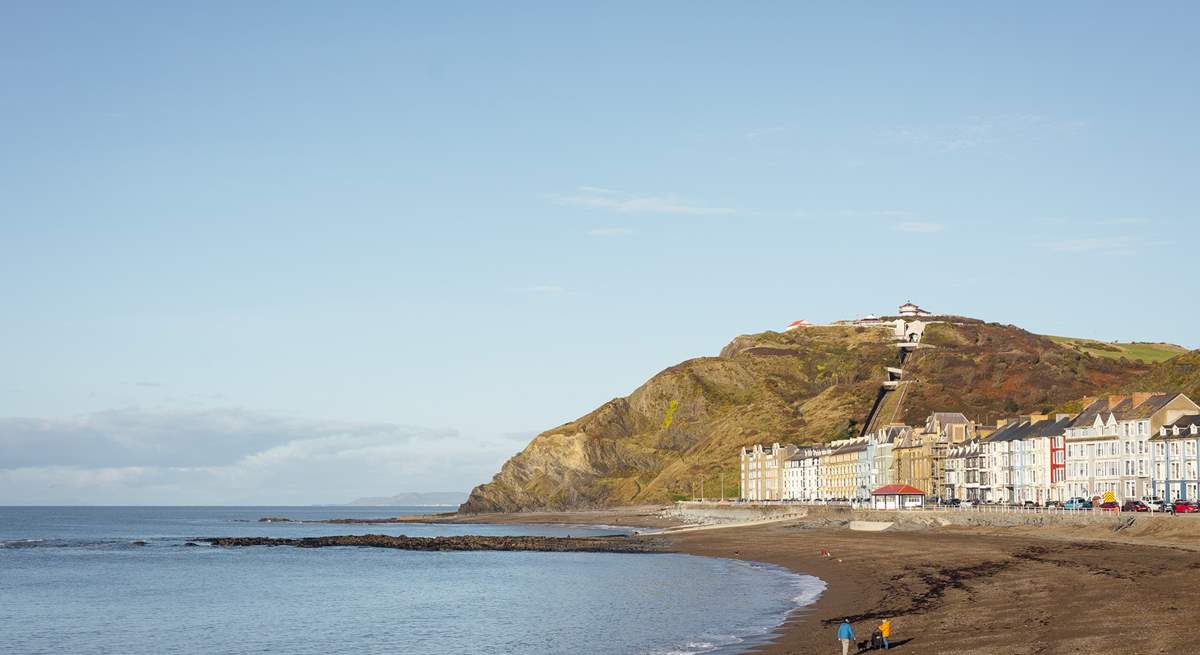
(622, 202)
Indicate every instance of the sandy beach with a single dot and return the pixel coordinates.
(968, 591)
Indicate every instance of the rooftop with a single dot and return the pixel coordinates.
(894, 489)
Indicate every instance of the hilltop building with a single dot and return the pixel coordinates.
(908, 309)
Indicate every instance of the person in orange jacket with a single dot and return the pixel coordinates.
(885, 629)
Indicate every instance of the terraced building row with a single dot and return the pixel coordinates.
(1135, 446)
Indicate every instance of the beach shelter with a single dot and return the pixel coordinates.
(897, 496)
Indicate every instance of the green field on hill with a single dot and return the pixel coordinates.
(1147, 352)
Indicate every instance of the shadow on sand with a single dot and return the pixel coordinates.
(863, 646)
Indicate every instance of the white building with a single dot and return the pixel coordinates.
(1020, 459)
(880, 454)
(909, 309)
(1175, 460)
(802, 474)
(962, 471)
(1108, 445)
(762, 471)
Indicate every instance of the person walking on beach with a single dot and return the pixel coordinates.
(885, 631)
(846, 635)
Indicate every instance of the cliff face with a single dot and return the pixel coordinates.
(811, 385)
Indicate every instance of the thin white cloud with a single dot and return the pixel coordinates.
(979, 131)
(596, 198)
(1129, 220)
(1090, 244)
(610, 232)
(230, 456)
(861, 213)
(598, 190)
(919, 227)
(764, 133)
(542, 290)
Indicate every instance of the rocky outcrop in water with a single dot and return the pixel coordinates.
(614, 544)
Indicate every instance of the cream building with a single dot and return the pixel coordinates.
(844, 468)
(762, 471)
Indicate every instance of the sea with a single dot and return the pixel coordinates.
(121, 580)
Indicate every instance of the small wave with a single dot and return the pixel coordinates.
(20, 543)
(706, 644)
(93, 544)
(809, 589)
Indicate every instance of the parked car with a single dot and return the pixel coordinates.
(1135, 506)
(1054, 503)
(969, 502)
(1111, 506)
(1182, 506)
(954, 502)
(1078, 503)
(1157, 504)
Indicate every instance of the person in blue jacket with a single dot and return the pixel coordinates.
(846, 635)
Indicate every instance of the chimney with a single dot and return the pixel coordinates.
(1142, 396)
(1037, 418)
(1088, 400)
(1113, 401)
(1059, 417)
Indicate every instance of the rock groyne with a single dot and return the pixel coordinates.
(613, 544)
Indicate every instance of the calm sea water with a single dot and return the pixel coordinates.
(72, 581)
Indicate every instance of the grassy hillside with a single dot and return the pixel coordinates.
(1179, 374)
(1151, 353)
(807, 386)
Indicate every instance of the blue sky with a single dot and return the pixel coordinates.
(379, 246)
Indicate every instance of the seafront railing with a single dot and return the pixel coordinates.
(982, 508)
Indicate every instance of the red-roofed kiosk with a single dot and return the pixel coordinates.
(897, 496)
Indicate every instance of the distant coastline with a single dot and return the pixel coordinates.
(413, 499)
